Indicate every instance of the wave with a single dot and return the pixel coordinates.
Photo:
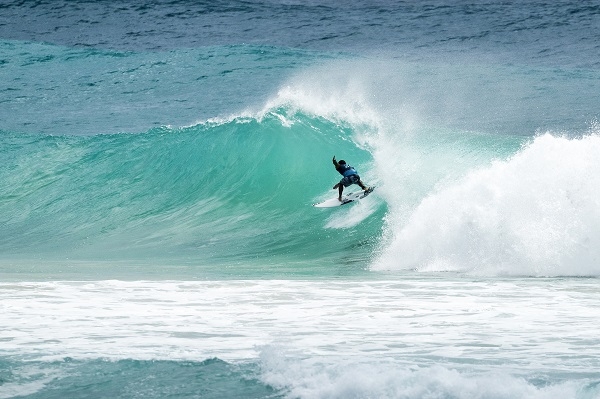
(461, 199)
(274, 377)
(238, 189)
(452, 196)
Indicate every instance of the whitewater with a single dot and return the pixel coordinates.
(158, 166)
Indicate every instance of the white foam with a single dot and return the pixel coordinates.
(412, 338)
(425, 322)
(313, 379)
(537, 213)
(32, 379)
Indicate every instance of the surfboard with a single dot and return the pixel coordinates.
(346, 199)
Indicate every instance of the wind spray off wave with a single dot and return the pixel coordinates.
(460, 197)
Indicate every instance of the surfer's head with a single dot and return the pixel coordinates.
(342, 162)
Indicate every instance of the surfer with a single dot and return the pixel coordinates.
(350, 176)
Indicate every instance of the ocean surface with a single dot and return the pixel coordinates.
(158, 165)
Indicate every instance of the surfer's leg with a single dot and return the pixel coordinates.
(340, 188)
(360, 183)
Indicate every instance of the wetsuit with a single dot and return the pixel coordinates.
(350, 175)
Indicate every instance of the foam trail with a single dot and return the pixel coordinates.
(537, 213)
(352, 216)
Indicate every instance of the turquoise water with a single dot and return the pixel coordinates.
(136, 378)
(175, 195)
(158, 166)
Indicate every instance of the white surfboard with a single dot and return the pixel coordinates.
(346, 199)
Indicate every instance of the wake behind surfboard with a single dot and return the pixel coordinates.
(346, 199)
